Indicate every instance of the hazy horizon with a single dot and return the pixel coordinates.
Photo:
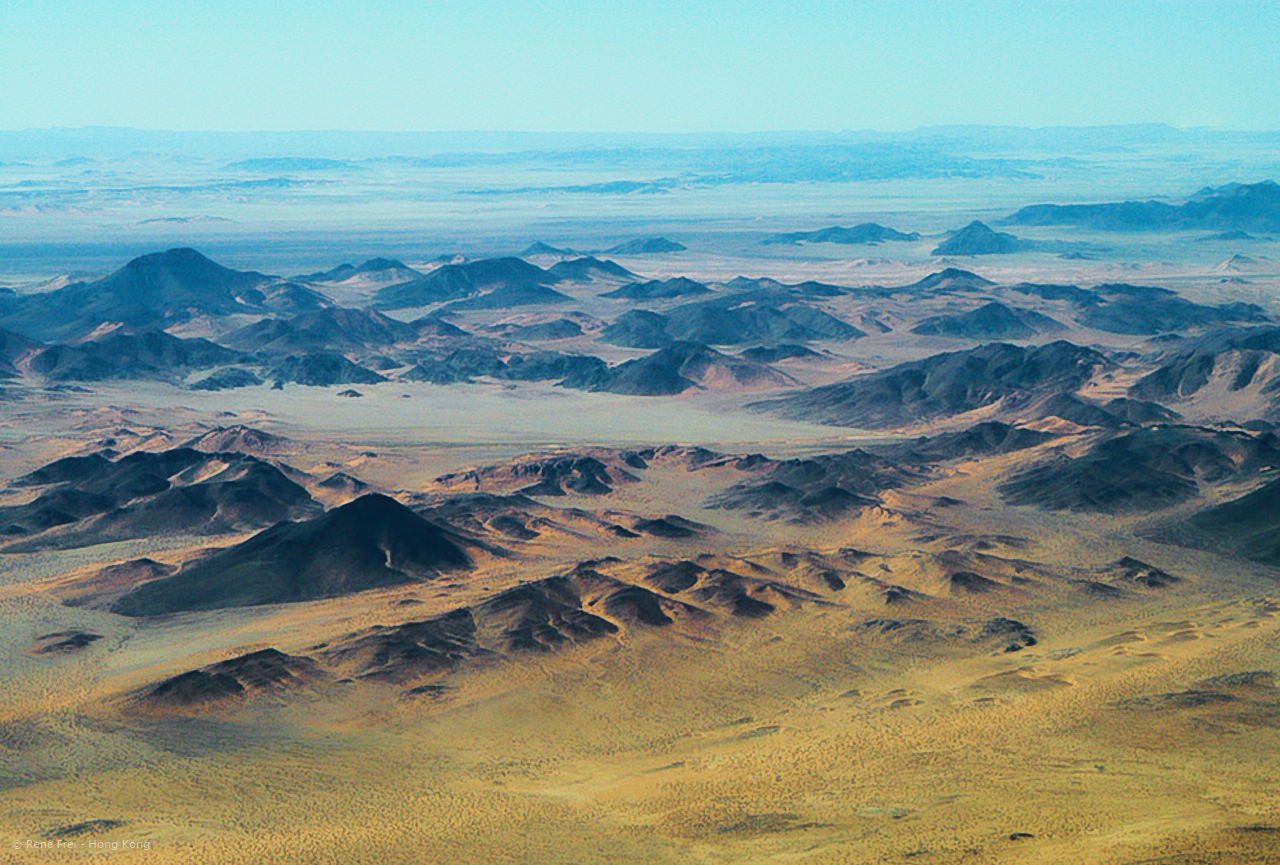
(740, 67)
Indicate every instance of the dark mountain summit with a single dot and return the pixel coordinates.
(321, 369)
(370, 543)
(984, 439)
(150, 355)
(386, 269)
(977, 238)
(949, 279)
(507, 296)
(806, 289)
(1145, 309)
(540, 248)
(990, 321)
(638, 328)
(814, 489)
(335, 328)
(678, 367)
(659, 289)
(150, 291)
(646, 246)
(264, 670)
(95, 500)
(943, 385)
(588, 268)
(865, 233)
(1234, 207)
(458, 281)
(1155, 467)
(734, 318)
(560, 328)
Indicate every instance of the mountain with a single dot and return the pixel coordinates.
(865, 233)
(372, 542)
(333, 329)
(681, 366)
(1150, 468)
(382, 270)
(984, 439)
(150, 355)
(540, 248)
(977, 238)
(775, 353)
(1234, 207)
(560, 328)
(238, 438)
(806, 289)
(569, 369)
(92, 500)
(993, 320)
(1248, 527)
(645, 246)
(949, 279)
(1229, 237)
(587, 269)
(463, 280)
(1227, 364)
(321, 369)
(13, 347)
(464, 364)
(227, 379)
(1074, 294)
(290, 298)
(459, 365)
(734, 318)
(659, 289)
(152, 291)
(638, 328)
(507, 296)
(814, 489)
(942, 385)
(1142, 309)
(262, 671)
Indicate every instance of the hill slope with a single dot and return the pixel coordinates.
(369, 543)
(942, 385)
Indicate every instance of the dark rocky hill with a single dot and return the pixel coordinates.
(458, 281)
(646, 246)
(152, 354)
(943, 385)
(993, 320)
(659, 289)
(589, 268)
(332, 329)
(1145, 469)
(977, 238)
(149, 292)
(680, 366)
(321, 369)
(372, 542)
(865, 233)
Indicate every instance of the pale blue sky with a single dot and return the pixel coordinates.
(657, 66)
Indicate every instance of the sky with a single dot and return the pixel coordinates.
(655, 66)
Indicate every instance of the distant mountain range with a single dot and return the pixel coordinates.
(865, 233)
(1233, 207)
